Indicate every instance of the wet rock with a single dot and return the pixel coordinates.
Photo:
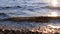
(32, 32)
(56, 33)
(12, 32)
(1, 32)
(6, 31)
(29, 32)
(18, 32)
(36, 32)
(22, 32)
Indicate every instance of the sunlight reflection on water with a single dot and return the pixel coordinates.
(27, 9)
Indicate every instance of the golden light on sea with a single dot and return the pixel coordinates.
(54, 3)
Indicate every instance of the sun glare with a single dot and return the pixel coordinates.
(53, 14)
(54, 3)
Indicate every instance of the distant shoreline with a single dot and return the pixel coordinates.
(34, 19)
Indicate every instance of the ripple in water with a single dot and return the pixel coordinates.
(37, 9)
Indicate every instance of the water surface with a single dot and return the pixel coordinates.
(25, 8)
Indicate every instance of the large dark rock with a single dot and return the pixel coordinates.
(6, 31)
(17, 32)
(56, 33)
(1, 32)
(12, 32)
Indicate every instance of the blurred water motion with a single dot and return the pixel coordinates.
(28, 8)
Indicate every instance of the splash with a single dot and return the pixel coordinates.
(54, 26)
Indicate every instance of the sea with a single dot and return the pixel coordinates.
(25, 8)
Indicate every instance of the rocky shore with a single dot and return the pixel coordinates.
(41, 30)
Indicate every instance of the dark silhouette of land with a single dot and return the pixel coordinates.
(34, 19)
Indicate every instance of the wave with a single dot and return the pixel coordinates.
(14, 7)
(3, 16)
(51, 7)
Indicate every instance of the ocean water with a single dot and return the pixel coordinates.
(25, 8)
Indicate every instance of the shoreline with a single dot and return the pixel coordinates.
(42, 19)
